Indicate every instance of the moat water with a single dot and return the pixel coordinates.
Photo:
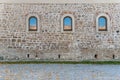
(59, 72)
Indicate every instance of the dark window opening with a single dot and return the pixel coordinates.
(36, 55)
(28, 55)
(96, 56)
(59, 56)
(113, 56)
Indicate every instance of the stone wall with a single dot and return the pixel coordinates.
(84, 43)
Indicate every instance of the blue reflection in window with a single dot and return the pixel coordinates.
(102, 22)
(33, 23)
(67, 22)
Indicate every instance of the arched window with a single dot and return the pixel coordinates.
(67, 23)
(102, 23)
(33, 24)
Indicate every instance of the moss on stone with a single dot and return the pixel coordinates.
(59, 62)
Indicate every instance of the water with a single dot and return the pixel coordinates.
(59, 72)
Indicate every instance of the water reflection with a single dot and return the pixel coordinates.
(59, 72)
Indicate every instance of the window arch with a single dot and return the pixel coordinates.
(33, 23)
(67, 23)
(102, 22)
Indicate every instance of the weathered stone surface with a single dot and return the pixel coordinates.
(50, 42)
